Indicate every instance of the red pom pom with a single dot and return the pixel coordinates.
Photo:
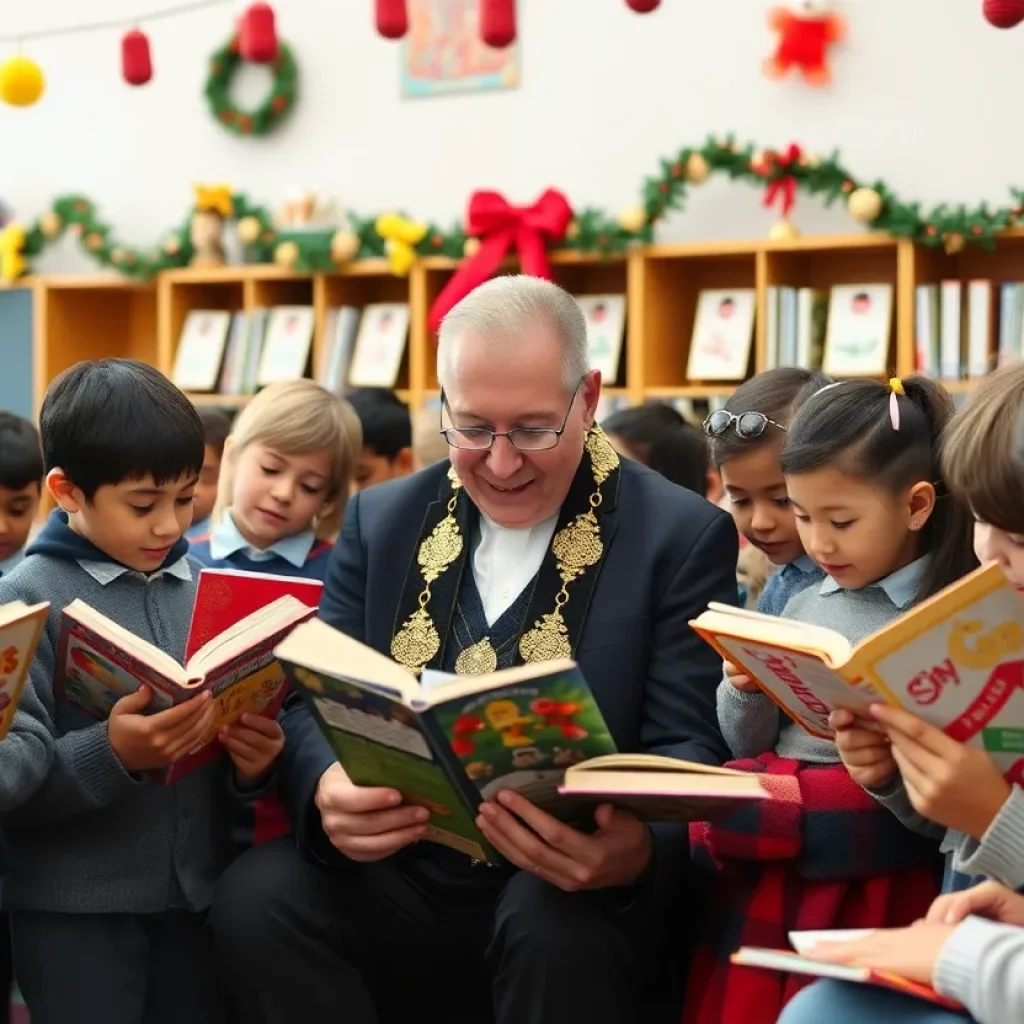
(136, 60)
(498, 22)
(257, 36)
(1003, 13)
(643, 6)
(392, 18)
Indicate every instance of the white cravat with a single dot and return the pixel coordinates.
(506, 560)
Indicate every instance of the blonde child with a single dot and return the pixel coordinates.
(941, 787)
(862, 474)
(285, 477)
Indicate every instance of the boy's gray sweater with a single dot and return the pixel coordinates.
(84, 835)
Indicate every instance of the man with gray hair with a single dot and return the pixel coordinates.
(563, 551)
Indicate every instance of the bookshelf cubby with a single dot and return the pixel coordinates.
(77, 318)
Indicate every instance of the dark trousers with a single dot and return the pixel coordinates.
(385, 944)
(6, 969)
(115, 968)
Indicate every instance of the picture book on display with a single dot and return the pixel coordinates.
(956, 660)
(801, 963)
(448, 743)
(101, 662)
(20, 626)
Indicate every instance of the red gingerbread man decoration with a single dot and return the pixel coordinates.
(805, 36)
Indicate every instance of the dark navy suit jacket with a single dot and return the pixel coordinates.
(668, 553)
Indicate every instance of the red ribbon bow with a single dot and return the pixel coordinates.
(785, 185)
(500, 226)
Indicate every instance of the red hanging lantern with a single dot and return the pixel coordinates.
(136, 59)
(643, 6)
(1003, 13)
(392, 18)
(257, 35)
(498, 23)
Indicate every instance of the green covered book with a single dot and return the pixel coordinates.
(448, 743)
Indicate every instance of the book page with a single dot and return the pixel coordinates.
(18, 641)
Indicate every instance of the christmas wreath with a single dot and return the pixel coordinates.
(276, 106)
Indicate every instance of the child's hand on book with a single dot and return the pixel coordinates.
(739, 679)
(366, 823)
(911, 953)
(866, 753)
(254, 744)
(146, 742)
(948, 782)
(990, 900)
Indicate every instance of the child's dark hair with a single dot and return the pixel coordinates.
(118, 419)
(776, 394)
(216, 427)
(665, 442)
(387, 425)
(21, 457)
(848, 427)
(983, 451)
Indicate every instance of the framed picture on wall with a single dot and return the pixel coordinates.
(442, 52)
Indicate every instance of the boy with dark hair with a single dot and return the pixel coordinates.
(110, 875)
(387, 436)
(216, 427)
(21, 484)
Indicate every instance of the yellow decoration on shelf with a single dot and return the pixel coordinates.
(50, 224)
(697, 169)
(400, 235)
(953, 243)
(215, 198)
(286, 254)
(344, 246)
(633, 219)
(12, 242)
(470, 247)
(784, 231)
(249, 230)
(864, 204)
(21, 81)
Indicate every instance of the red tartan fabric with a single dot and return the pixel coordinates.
(821, 854)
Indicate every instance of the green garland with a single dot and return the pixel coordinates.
(592, 230)
(276, 106)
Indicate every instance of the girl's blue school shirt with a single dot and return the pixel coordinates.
(787, 582)
(299, 555)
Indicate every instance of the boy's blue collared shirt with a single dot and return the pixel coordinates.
(227, 541)
(900, 587)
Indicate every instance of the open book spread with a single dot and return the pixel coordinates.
(101, 662)
(956, 660)
(20, 626)
(449, 743)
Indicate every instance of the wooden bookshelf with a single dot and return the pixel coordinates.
(77, 318)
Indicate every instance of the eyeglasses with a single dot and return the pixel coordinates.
(525, 439)
(748, 424)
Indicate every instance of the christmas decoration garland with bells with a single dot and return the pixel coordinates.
(781, 173)
(277, 105)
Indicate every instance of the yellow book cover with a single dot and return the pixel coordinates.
(956, 660)
(20, 626)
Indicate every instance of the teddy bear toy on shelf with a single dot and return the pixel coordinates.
(805, 36)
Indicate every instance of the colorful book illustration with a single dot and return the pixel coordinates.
(606, 326)
(101, 662)
(859, 325)
(20, 627)
(956, 660)
(723, 334)
(795, 963)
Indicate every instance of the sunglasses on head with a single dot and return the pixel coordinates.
(747, 424)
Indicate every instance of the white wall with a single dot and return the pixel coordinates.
(926, 97)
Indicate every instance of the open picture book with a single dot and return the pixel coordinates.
(956, 660)
(449, 743)
(100, 662)
(20, 627)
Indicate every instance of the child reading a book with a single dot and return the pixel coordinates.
(21, 486)
(216, 427)
(387, 436)
(285, 478)
(861, 461)
(110, 875)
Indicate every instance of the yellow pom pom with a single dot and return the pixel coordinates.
(21, 81)
(248, 230)
(286, 254)
(896, 386)
(344, 246)
(633, 219)
(50, 224)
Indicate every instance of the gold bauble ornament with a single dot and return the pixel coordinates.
(93, 242)
(784, 231)
(633, 219)
(470, 247)
(953, 243)
(286, 254)
(864, 205)
(698, 170)
(249, 230)
(21, 81)
(344, 246)
(51, 224)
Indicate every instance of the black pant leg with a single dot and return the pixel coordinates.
(363, 943)
(85, 968)
(182, 981)
(581, 956)
(6, 969)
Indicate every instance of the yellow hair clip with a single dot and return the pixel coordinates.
(896, 386)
